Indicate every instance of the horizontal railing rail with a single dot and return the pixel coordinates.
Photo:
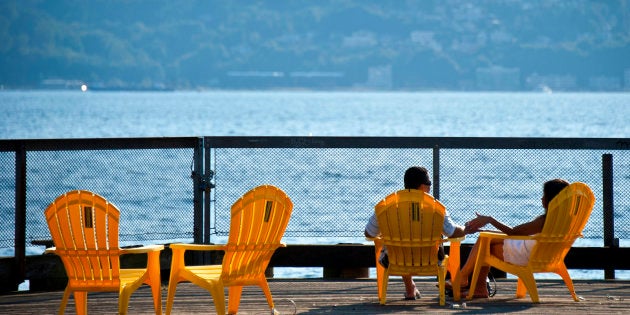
(419, 142)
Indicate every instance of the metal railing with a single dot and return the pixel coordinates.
(173, 189)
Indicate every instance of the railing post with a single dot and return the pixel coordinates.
(198, 192)
(436, 172)
(20, 215)
(208, 186)
(608, 208)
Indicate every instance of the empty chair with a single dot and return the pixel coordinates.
(84, 229)
(257, 224)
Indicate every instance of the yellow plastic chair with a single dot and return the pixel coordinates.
(567, 215)
(411, 228)
(257, 224)
(84, 229)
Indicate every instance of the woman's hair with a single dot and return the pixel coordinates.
(553, 187)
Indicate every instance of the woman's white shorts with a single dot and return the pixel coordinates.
(517, 251)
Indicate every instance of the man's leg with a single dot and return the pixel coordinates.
(410, 286)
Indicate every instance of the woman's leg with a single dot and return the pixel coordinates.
(469, 266)
(496, 248)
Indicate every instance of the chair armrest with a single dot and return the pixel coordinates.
(454, 239)
(142, 250)
(197, 247)
(51, 250)
(378, 244)
(505, 236)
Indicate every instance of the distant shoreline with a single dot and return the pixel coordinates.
(205, 89)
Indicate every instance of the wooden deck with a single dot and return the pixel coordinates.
(317, 296)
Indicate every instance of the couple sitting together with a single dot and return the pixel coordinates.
(512, 251)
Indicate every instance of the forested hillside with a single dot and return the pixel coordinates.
(342, 44)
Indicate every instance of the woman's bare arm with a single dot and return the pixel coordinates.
(529, 228)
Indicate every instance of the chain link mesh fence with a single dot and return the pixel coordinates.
(334, 190)
(152, 188)
(7, 202)
(508, 184)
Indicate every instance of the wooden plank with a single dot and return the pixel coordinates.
(318, 296)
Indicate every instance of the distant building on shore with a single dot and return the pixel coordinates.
(61, 84)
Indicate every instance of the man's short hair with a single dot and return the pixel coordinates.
(416, 176)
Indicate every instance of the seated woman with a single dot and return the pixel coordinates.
(513, 251)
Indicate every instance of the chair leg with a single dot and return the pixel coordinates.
(380, 273)
(265, 288)
(155, 280)
(384, 283)
(380, 270)
(219, 298)
(521, 289)
(156, 291)
(564, 273)
(123, 300)
(80, 302)
(529, 282)
(177, 265)
(234, 298)
(64, 301)
(170, 296)
(441, 280)
(453, 266)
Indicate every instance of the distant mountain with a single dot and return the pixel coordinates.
(342, 44)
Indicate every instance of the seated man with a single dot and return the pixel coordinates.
(415, 178)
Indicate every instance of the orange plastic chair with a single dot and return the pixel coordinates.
(411, 228)
(257, 225)
(567, 215)
(84, 229)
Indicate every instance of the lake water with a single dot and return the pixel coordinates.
(73, 114)
(55, 114)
